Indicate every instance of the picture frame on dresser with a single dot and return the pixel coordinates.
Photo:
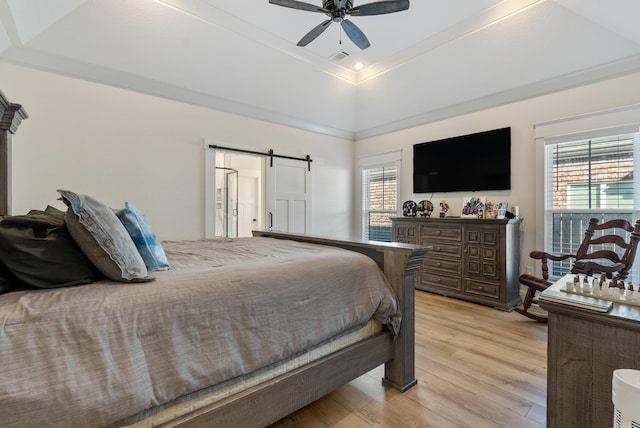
(473, 207)
(502, 210)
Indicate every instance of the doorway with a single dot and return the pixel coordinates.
(273, 192)
(238, 194)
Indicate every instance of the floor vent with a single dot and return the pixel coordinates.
(339, 56)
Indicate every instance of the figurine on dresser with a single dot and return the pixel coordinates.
(444, 207)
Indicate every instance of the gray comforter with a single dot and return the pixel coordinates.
(94, 354)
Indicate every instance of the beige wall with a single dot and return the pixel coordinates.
(121, 146)
(521, 117)
(118, 146)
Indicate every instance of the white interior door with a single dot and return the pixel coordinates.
(288, 196)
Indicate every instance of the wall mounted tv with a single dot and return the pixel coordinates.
(480, 161)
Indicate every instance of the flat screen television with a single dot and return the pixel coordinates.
(480, 161)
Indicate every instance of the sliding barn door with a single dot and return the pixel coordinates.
(288, 196)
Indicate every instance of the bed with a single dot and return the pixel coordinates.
(148, 352)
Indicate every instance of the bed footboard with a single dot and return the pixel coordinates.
(271, 401)
(400, 263)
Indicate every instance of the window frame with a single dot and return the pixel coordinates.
(550, 212)
(381, 160)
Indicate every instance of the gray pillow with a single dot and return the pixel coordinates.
(103, 238)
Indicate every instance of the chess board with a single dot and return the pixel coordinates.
(607, 289)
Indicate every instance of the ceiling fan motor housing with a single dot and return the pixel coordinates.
(335, 13)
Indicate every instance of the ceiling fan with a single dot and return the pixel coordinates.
(337, 10)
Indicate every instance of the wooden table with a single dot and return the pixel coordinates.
(584, 348)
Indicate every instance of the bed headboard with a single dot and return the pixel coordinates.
(11, 115)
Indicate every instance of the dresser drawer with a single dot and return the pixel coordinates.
(432, 279)
(482, 288)
(430, 233)
(448, 266)
(443, 250)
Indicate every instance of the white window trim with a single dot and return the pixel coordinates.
(622, 120)
(619, 120)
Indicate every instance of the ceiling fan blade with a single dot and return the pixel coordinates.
(293, 4)
(355, 34)
(315, 32)
(379, 8)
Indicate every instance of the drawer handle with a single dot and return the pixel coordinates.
(438, 232)
(437, 280)
(438, 248)
(438, 264)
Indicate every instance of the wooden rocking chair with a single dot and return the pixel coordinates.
(591, 258)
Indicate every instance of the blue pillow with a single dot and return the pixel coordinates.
(143, 237)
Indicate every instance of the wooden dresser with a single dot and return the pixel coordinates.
(584, 348)
(472, 259)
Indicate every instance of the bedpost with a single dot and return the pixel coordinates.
(400, 268)
(10, 117)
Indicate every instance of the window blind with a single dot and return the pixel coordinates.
(592, 174)
(379, 203)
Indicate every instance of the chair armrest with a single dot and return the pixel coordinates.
(544, 257)
(534, 282)
(541, 255)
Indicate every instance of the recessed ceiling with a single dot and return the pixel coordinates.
(437, 59)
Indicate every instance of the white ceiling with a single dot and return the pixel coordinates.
(437, 59)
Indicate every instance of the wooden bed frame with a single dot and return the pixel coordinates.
(271, 401)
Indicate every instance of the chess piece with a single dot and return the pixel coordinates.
(634, 293)
(568, 286)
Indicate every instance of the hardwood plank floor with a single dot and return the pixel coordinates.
(476, 367)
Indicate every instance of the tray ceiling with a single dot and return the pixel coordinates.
(437, 59)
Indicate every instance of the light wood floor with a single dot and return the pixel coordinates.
(476, 367)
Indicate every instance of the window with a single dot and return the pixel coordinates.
(379, 201)
(592, 177)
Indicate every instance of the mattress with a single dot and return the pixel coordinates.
(188, 404)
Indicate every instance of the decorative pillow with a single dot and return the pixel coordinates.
(103, 238)
(36, 249)
(146, 242)
(7, 281)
